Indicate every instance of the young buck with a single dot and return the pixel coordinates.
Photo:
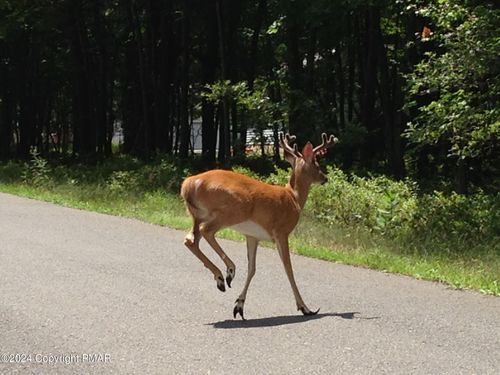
(219, 199)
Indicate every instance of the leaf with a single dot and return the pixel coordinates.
(275, 26)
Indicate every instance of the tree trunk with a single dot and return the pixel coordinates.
(461, 180)
(224, 134)
(341, 88)
(351, 67)
(208, 62)
(165, 67)
(6, 109)
(145, 132)
(294, 69)
(391, 99)
(185, 129)
(311, 51)
(251, 67)
(368, 80)
(252, 60)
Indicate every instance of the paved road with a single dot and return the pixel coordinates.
(112, 295)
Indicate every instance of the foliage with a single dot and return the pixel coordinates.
(279, 177)
(373, 221)
(459, 82)
(123, 181)
(121, 175)
(376, 204)
(72, 72)
(397, 211)
(456, 218)
(258, 111)
(163, 175)
(11, 171)
(219, 91)
(37, 171)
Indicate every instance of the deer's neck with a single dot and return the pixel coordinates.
(300, 189)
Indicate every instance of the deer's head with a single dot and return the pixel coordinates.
(305, 164)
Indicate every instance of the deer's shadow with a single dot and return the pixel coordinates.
(282, 320)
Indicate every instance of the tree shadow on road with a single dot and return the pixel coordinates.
(281, 320)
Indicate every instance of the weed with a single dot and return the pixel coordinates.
(37, 171)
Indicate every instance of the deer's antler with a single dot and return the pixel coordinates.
(286, 141)
(325, 145)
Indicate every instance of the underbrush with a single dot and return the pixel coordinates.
(397, 212)
(375, 222)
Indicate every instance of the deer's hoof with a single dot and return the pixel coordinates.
(238, 309)
(308, 312)
(189, 241)
(220, 284)
(230, 276)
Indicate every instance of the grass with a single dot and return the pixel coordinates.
(362, 249)
(312, 238)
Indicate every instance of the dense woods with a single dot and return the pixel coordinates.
(410, 87)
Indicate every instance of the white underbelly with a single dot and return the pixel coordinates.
(252, 229)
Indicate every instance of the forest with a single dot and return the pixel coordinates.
(410, 87)
(108, 105)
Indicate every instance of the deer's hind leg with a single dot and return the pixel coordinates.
(192, 242)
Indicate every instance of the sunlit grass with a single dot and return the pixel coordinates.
(311, 238)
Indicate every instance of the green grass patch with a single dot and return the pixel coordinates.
(376, 223)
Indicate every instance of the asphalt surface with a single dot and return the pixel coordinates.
(103, 294)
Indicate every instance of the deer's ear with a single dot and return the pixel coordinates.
(307, 152)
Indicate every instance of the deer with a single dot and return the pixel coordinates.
(219, 199)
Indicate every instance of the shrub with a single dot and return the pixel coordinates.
(127, 174)
(246, 172)
(458, 218)
(37, 171)
(165, 175)
(376, 204)
(11, 171)
(395, 210)
(124, 181)
(450, 223)
(279, 177)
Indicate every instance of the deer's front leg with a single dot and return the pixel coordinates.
(284, 251)
(251, 255)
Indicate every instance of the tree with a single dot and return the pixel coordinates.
(456, 89)
(72, 71)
